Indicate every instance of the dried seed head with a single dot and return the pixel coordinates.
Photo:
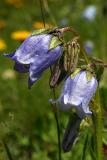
(71, 55)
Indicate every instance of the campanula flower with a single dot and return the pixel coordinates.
(35, 54)
(77, 93)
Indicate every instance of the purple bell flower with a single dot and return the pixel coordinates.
(77, 93)
(34, 56)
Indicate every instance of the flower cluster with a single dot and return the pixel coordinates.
(42, 49)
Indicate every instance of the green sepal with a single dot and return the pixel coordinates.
(89, 75)
(54, 42)
(40, 31)
(75, 72)
(43, 31)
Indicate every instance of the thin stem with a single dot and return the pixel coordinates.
(84, 52)
(53, 90)
(58, 133)
(85, 147)
(54, 108)
(97, 121)
(42, 13)
(46, 6)
(7, 151)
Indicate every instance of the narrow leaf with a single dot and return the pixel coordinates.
(85, 148)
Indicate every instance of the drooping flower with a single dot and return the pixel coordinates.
(77, 92)
(38, 52)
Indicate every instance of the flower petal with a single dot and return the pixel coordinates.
(43, 62)
(71, 132)
(21, 68)
(31, 47)
(65, 98)
(11, 55)
(77, 93)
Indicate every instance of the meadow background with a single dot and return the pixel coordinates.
(27, 124)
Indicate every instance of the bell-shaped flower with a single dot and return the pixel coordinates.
(38, 52)
(78, 91)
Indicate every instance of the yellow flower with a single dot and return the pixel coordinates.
(2, 45)
(2, 24)
(39, 25)
(15, 3)
(20, 35)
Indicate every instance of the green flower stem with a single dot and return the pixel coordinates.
(97, 125)
(55, 112)
(84, 52)
(58, 130)
(47, 9)
(54, 108)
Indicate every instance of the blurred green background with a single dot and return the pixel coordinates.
(27, 124)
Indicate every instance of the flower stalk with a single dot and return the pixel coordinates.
(54, 109)
(97, 126)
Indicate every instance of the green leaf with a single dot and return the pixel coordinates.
(92, 149)
(54, 42)
(85, 146)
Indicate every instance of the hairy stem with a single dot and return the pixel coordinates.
(97, 122)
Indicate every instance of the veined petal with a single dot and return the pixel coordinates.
(67, 91)
(31, 47)
(91, 90)
(77, 93)
(43, 62)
